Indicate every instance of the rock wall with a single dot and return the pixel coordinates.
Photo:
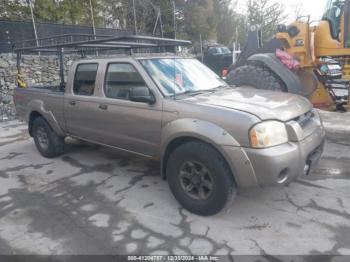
(38, 70)
(35, 69)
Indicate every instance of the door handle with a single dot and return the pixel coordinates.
(103, 107)
(72, 103)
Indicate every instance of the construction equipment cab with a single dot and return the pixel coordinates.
(308, 58)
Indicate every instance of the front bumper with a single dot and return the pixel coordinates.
(277, 165)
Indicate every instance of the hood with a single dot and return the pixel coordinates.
(261, 103)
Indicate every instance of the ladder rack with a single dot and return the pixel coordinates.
(83, 43)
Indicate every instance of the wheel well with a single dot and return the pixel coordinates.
(33, 115)
(178, 142)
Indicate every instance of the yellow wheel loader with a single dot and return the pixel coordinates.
(306, 58)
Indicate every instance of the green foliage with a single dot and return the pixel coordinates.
(14, 10)
(200, 19)
(119, 14)
(47, 10)
(212, 19)
(267, 14)
(67, 11)
(231, 26)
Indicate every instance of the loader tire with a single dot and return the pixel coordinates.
(256, 76)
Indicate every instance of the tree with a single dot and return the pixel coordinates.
(298, 10)
(193, 17)
(217, 20)
(267, 14)
(119, 14)
(68, 11)
(14, 10)
(199, 19)
(231, 26)
(48, 11)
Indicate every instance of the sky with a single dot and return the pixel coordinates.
(314, 8)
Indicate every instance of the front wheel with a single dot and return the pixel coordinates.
(200, 179)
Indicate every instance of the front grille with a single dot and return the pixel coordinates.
(304, 119)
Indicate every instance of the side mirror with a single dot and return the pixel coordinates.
(141, 94)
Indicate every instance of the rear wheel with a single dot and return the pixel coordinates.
(200, 179)
(48, 143)
(256, 76)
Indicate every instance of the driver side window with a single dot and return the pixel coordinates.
(120, 79)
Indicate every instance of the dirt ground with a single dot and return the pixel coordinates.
(95, 200)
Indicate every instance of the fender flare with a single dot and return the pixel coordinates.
(200, 129)
(38, 106)
(290, 79)
(195, 129)
(239, 163)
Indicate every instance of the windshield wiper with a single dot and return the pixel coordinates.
(200, 92)
(221, 87)
(194, 92)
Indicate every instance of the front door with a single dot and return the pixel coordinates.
(125, 124)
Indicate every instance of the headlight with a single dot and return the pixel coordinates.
(268, 134)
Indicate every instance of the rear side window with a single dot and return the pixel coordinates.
(120, 79)
(85, 78)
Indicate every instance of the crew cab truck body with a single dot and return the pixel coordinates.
(210, 138)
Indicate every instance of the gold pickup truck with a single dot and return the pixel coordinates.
(209, 137)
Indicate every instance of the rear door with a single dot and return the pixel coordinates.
(80, 102)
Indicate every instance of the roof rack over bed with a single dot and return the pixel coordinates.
(85, 43)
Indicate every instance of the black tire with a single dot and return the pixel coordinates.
(223, 186)
(256, 76)
(55, 143)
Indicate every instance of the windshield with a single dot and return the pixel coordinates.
(224, 50)
(220, 50)
(333, 12)
(180, 75)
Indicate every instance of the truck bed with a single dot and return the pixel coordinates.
(54, 88)
(48, 98)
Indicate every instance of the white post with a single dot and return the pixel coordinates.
(200, 40)
(93, 20)
(93, 23)
(33, 21)
(174, 19)
(234, 53)
(161, 23)
(156, 24)
(134, 10)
